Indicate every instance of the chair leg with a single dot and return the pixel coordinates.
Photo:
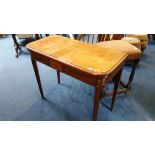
(117, 80)
(17, 50)
(97, 95)
(58, 77)
(132, 74)
(37, 36)
(16, 45)
(116, 85)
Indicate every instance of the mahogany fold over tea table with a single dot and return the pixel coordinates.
(88, 63)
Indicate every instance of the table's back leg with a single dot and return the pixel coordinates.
(116, 84)
(35, 67)
(132, 74)
(58, 77)
(97, 95)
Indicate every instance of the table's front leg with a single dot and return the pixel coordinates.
(35, 67)
(58, 76)
(97, 95)
(116, 84)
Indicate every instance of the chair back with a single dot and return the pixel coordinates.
(109, 37)
(95, 38)
(118, 36)
(24, 36)
(88, 38)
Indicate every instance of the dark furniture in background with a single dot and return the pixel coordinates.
(18, 45)
(2, 35)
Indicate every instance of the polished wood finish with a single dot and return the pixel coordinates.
(125, 86)
(116, 84)
(86, 57)
(97, 95)
(134, 55)
(88, 63)
(35, 67)
(58, 76)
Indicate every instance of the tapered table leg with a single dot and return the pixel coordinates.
(35, 67)
(132, 74)
(58, 77)
(97, 95)
(116, 84)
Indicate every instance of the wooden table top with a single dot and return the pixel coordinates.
(87, 57)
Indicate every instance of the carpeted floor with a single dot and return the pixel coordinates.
(72, 100)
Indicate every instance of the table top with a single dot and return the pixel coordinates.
(83, 56)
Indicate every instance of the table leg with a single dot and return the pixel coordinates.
(97, 95)
(132, 74)
(116, 84)
(35, 67)
(58, 77)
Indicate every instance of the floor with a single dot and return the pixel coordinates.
(71, 100)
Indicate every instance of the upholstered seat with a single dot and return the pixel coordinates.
(134, 41)
(132, 51)
(142, 37)
(139, 36)
(24, 36)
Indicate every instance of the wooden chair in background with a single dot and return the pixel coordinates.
(96, 38)
(134, 55)
(43, 35)
(64, 35)
(91, 38)
(114, 41)
(17, 37)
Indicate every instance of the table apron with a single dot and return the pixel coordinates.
(85, 77)
(113, 74)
